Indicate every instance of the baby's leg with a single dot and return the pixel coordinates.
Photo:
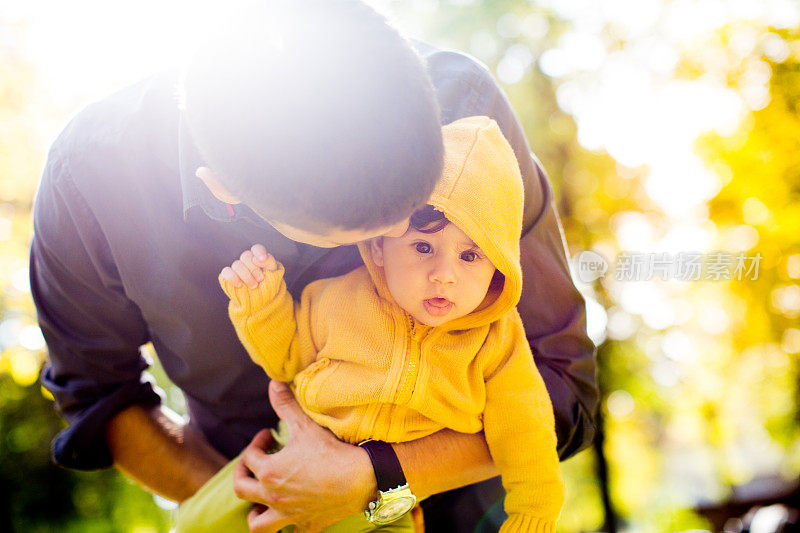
(214, 508)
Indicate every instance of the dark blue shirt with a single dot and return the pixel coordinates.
(128, 244)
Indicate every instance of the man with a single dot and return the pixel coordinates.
(294, 124)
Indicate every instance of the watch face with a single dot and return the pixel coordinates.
(393, 509)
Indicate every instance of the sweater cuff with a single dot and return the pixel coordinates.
(524, 523)
(265, 292)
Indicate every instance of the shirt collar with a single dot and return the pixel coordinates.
(195, 193)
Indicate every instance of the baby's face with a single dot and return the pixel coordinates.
(435, 277)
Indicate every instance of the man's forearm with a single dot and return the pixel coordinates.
(153, 447)
(445, 460)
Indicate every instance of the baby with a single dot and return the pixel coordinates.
(425, 336)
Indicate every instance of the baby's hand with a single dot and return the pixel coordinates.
(249, 268)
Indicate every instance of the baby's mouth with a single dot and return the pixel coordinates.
(437, 306)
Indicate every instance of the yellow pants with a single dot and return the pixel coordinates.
(216, 509)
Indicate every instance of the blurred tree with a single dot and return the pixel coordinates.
(759, 209)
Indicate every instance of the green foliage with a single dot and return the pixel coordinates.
(36, 496)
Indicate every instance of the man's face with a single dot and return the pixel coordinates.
(329, 239)
(338, 237)
(436, 277)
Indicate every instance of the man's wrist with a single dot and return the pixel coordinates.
(444, 461)
(367, 485)
(395, 498)
(388, 472)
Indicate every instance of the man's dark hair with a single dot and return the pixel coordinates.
(317, 114)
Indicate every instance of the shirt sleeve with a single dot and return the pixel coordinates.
(519, 428)
(552, 309)
(275, 331)
(93, 331)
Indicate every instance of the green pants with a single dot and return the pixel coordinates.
(216, 509)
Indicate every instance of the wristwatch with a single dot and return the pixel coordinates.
(395, 497)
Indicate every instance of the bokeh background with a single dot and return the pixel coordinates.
(666, 126)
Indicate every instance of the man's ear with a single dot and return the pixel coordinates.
(376, 247)
(217, 189)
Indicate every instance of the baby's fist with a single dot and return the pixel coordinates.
(248, 269)
(263, 259)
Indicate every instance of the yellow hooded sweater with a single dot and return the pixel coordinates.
(361, 367)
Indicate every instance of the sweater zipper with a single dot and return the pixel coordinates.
(407, 376)
(408, 386)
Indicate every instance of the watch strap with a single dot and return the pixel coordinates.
(388, 472)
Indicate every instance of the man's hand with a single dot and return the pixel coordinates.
(314, 481)
(249, 268)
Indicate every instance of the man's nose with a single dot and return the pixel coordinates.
(443, 272)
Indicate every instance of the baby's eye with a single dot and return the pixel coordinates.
(469, 256)
(423, 247)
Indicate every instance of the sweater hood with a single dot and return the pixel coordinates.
(481, 192)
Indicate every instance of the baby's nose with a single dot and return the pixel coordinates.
(443, 272)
